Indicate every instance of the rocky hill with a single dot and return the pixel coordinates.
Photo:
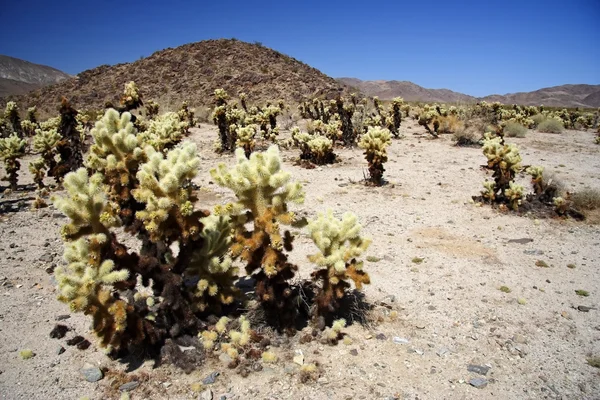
(192, 72)
(19, 76)
(409, 91)
(587, 96)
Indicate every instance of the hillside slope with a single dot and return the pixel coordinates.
(18, 76)
(192, 72)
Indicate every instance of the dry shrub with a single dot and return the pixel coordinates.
(450, 124)
(537, 119)
(466, 137)
(288, 120)
(514, 129)
(551, 125)
(586, 200)
(310, 127)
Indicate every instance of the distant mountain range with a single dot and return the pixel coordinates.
(19, 76)
(587, 96)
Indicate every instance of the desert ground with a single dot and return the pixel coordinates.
(436, 258)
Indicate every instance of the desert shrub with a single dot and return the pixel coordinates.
(466, 136)
(586, 200)
(449, 124)
(514, 129)
(537, 119)
(551, 125)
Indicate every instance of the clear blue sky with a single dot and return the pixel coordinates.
(475, 47)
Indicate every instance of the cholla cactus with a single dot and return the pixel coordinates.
(334, 334)
(116, 154)
(321, 150)
(151, 109)
(212, 266)
(31, 114)
(37, 168)
(164, 131)
(186, 115)
(245, 138)
(340, 244)
(11, 149)
(28, 128)
(11, 114)
(70, 147)
(514, 194)
(165, 192)
(505, 161)
(537, 178)
(396, 116)
(375, 143)
(131, 98)
(263, 191)
(427, 117)
(45, 142)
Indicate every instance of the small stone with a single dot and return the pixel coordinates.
(420, 326)
(354, 352)
(206, 395)
(478, 369)
(210, 379)
(585, 308)
(415, 350)
(399, 340)
(62, 317)
(380, 336)
(60, 350)
(443, 352)
(299, 357)
(479, 383)
(126, 387)
(521, 241)
(92, 374)
(322, 380)
(566, 315)
(84, 344)
(46, 257)
(59, 331)
(225, 359)
(518, 338)
(75, 340)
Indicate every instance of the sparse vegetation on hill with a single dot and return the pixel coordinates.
(192, 72)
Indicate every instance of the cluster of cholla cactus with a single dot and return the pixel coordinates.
(186, 115)
(166, 130)
(230, 119)
(375, 143)
(11, 149)
(315, 148)
(143, 298)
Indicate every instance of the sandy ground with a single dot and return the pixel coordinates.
(451, 312)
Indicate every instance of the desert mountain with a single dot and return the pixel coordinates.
(559, 96)
(191, 73)
(387, 90)
(20, 76)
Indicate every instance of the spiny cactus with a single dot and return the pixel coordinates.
(11, 114)
(116, 154)
(505, 161)
(37, 168)
(245, 138)
(186, 115)
(165, 131)
(151, 109)
(263, 192)
(11, 149)
(28, 128)
(70, 147)
(131, 98)
(537, 178)
(169, 204)
(45, 143)
(340, 244)
(375, 143)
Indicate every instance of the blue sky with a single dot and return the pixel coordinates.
(475, 47)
